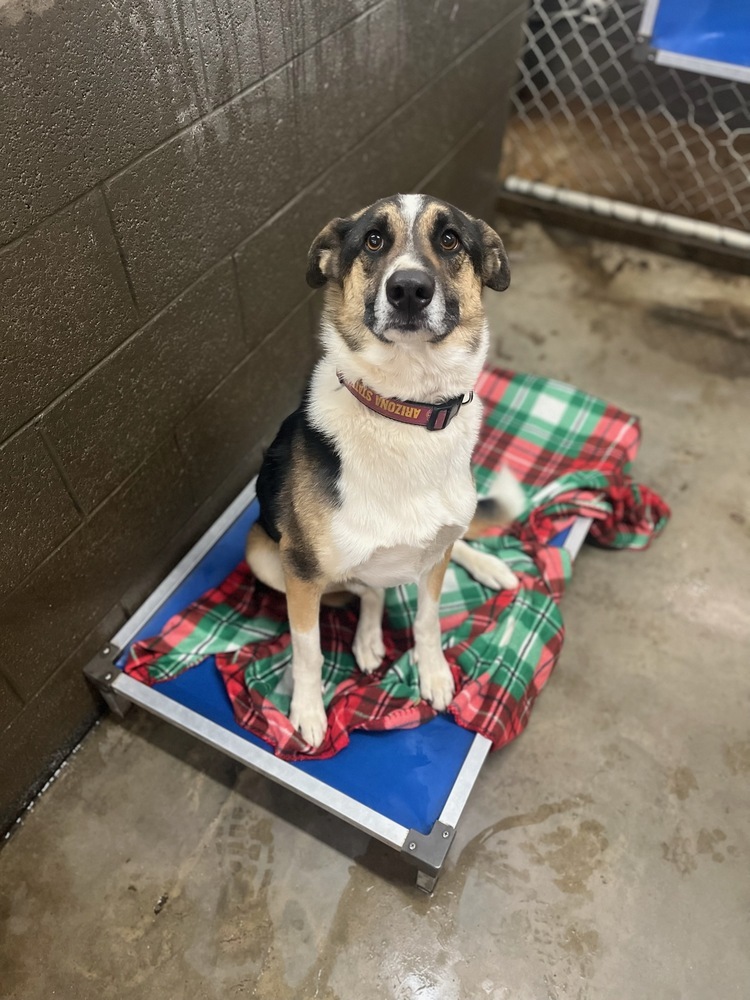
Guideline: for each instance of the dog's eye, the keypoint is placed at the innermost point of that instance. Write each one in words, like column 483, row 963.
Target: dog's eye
column 374, row 241
column 449, row 240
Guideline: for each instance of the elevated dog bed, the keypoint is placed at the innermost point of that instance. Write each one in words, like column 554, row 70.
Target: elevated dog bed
column 208, row 650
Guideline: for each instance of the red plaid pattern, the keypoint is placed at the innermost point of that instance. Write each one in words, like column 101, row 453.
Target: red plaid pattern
column 572, row 452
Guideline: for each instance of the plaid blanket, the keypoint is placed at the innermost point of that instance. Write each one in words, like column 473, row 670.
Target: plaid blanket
column 572, row 452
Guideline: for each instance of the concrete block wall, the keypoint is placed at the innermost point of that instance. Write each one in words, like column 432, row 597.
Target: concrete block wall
column 166, row 164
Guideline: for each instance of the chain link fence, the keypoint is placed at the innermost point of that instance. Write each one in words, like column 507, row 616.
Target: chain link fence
column 590, row 116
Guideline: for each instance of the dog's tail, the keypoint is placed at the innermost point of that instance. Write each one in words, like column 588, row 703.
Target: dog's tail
column 504, row 503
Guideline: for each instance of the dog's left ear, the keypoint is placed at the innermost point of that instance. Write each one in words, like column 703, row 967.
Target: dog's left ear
column 495, row 264
column 323, row 258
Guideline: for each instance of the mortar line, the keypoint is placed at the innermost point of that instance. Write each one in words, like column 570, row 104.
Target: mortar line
column 24, row 701
column 120, row 251
column 61, row 471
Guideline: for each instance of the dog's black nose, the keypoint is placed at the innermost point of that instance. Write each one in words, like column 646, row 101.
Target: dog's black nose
column 410, row 291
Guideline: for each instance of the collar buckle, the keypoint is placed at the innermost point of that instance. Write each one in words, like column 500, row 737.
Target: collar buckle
column 443, row 413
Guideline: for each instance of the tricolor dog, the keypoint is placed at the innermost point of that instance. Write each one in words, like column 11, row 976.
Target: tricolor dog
column 368, row 484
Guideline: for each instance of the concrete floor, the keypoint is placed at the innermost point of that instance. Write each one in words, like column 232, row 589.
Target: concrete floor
column 603, row 855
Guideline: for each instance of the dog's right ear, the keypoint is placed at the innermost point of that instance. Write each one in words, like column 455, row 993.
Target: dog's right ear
column 495, row 264
column 323, row 258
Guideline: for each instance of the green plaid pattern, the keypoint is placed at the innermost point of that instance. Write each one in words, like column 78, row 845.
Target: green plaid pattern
column 573, row 454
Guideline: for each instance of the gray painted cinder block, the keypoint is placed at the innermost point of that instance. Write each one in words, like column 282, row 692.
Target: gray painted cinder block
column 245, row 411
column 10, row 706
column 186, row 205
column 459, row 26
column 350, row 83
column 40, row 736
column 225, row 437
column 271, row 267
column 65, row 305
column 468, row 174
column 63, row 599
column 474, row 79
column 87, row 87
column 353, row 81
column 118, row 414
column 230, row 41
column 244, row 40
column 36, row 511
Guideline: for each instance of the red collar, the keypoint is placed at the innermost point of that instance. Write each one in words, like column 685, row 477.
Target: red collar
column 433, row 416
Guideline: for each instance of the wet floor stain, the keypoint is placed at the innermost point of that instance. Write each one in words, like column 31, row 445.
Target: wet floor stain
column 682, row 782
column 487, row 850
column 683, row 851
column 737, row 757
column 708, row 842
column 538, row 815
column 613, row 755
column 685, row 336
column 245, row 854
column 579, row 941
column 678, row 851
column 573, row 853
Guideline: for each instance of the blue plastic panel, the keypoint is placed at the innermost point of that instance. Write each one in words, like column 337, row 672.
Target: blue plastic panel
column 405, row 775
column 704, row 29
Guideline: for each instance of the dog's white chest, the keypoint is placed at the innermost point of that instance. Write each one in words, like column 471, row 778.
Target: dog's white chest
column 388, row 567
column 406, row 495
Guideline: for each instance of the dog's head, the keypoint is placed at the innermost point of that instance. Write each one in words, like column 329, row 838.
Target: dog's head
column 407, row 268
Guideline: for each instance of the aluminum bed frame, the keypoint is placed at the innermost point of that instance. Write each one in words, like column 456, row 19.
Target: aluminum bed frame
column 407, row 788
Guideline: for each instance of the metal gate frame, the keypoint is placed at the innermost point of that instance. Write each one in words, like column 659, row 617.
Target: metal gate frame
column 678, row 60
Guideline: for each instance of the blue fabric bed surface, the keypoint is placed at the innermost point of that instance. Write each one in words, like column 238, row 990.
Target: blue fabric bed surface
column 405, row 775
column 705, row 29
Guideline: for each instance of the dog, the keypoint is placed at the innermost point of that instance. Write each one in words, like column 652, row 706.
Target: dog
column 368, row 483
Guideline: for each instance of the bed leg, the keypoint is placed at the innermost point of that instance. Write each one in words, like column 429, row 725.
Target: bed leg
column 427, row 853
column 426, row 882
column 102, row 672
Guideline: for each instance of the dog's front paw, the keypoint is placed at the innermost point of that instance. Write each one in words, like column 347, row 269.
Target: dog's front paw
column 308, row 716
column 435, row 680
column 492, row 571
column 368, row 647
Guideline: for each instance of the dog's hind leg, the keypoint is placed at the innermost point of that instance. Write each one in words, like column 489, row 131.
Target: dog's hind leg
column 435, row 678
column 485, row 568
column 264, row 558
column 369, row 648
column 505, row 502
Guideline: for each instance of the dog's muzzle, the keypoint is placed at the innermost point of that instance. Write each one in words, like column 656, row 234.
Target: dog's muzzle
column 409, row 292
